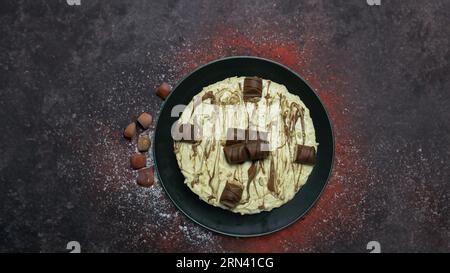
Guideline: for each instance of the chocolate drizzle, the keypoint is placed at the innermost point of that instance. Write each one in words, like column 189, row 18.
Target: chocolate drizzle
column 194, row 150
column 295, row 116
column 272, row 177
column 251, row 172
column 195, row 181
column 261, row 167
column 268, row 88
column 302, row 121
column 209, row 95
column 257, row 150
column 216, row 161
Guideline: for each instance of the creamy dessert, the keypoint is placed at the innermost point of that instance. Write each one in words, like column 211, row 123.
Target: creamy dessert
column 245, row 144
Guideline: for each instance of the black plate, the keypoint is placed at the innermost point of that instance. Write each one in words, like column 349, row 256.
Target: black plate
column 218, row 219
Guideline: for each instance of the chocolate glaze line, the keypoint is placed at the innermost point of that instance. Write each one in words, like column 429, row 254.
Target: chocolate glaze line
column 212, row 175
column 261, row 166
column 302, row 123
column 292, row 120
column 207, row 155
column 271, row 182
column 252, row 171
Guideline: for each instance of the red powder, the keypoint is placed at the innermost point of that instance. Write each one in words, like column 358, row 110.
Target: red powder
column 336, row 208
column 229, row 43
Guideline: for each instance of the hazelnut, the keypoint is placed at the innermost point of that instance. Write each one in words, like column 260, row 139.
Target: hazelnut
column 145, row 120
column 143, row 143
column 130, row 131
column 146, row 177
column 163, row 90
column 138, row 161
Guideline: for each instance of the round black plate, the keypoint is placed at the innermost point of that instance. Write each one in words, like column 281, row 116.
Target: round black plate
column 218, row 219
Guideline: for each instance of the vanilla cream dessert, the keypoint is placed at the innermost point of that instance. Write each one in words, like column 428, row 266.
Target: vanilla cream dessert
column 235, row 175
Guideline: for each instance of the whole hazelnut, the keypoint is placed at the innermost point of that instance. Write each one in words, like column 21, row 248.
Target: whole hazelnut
column 138, row 161
column 130, row 131
column 146, row 177
column 163, row 90
column 145, row 120
column 143, row 143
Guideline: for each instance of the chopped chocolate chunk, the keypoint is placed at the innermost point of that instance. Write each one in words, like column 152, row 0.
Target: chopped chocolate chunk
column 231, row 195
column 252, row 88
column 188, row 133
column 236, row 153
column 305, row 155
column 257, row 150
column 253, row 142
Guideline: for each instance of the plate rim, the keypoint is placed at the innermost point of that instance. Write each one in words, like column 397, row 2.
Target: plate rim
column 155, row 163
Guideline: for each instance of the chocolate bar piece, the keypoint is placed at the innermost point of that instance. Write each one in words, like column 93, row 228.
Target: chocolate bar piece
column 189, row 133
column 235, row 135
column 231, row 195
column 252, row 88
column 257, row 150
column 236, row 153
column 305, row 155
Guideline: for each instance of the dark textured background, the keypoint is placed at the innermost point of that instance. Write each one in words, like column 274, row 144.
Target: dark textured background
column 71, row 77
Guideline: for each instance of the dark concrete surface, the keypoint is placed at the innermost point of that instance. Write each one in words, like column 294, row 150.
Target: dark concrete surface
column 71, row 77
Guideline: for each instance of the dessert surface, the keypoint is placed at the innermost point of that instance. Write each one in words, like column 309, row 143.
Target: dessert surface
column 269, row 156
